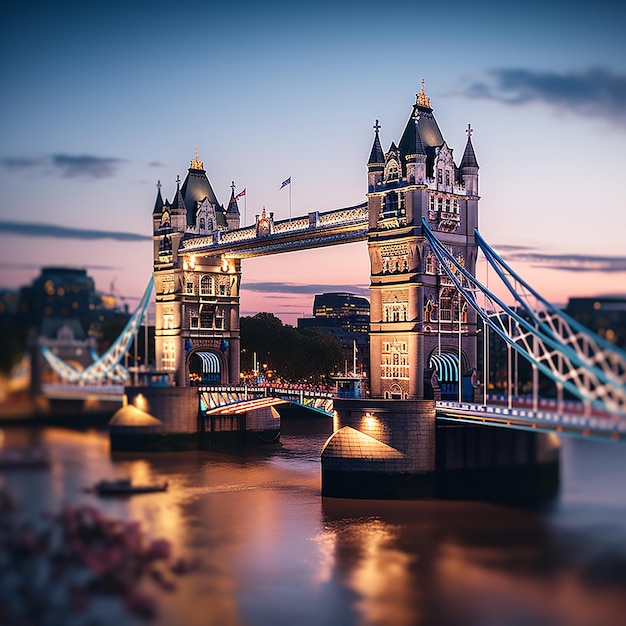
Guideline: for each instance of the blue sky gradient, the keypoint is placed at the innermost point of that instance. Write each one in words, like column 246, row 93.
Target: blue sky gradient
column 99, row 102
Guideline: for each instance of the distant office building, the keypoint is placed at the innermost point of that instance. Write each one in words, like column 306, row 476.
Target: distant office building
column 352, row 311
column 58, row 292
column 605, row 316
column 345, row 316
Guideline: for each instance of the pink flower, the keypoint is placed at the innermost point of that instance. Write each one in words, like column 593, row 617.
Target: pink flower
column 159, row 549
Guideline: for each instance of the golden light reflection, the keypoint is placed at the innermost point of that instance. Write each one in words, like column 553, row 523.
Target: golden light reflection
column 381, row 576
column 326, row 544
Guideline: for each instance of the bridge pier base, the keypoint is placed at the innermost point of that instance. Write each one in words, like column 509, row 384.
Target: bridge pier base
column 497, row 464
column 169, row 419
column 391, row 449
column 381, row 449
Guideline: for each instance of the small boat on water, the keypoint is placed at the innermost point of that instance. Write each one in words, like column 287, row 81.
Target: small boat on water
column 125, row 486
column 24, row 457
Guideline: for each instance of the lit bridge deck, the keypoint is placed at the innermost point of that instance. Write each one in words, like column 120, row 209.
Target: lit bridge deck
column 315, row 230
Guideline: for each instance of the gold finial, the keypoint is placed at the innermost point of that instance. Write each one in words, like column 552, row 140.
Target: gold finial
column 422, row 99
column 196, row 164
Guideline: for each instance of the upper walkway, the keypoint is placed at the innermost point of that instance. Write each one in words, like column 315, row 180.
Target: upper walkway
column 314, row 230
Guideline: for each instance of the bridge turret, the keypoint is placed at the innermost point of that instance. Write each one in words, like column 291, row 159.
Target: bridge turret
column 232, row 212
column 469, row 173
column 375, row 169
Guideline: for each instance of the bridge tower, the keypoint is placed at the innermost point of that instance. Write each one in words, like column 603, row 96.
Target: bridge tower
column 422, row 335
column 197, row 296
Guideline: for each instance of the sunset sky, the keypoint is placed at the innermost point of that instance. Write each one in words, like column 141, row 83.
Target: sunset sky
column 99, row 101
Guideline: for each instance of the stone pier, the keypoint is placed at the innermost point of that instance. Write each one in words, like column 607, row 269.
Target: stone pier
column 381, row 449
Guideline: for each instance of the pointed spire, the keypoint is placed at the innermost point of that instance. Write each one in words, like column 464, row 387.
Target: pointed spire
column 158, row 204
column 469, row 157
column 419, row 145
column 376, row 156
column 233, row 207
column 422, row 99
column 178, row 202
column 196, row 164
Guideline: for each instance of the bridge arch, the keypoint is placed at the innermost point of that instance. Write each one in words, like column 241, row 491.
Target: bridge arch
column 206, row 367
column 446, row 371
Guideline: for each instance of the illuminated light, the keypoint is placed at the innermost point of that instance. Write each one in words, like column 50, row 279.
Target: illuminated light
column 596, row 306
column 185, row 266
column 369, row 423
column 224, row 264
column 192, row 261
column 140, row 402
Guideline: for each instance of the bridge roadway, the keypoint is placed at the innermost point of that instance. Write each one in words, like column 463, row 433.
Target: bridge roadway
column 572, row 420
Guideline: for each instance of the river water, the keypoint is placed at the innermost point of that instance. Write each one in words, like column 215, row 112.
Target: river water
column 270, row 550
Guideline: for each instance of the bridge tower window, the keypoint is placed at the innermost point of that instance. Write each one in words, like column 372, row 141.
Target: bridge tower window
column 430, row 263
column 169, row 355
column 206, row 286
column 206, row 318
column 219, row 319
column 391, row 203
column 392, row 170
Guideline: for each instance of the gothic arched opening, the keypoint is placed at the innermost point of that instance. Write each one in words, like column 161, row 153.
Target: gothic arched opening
column 205, row 368
column 444, row 373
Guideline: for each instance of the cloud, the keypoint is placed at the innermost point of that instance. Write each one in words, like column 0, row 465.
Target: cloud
column 18, row 163
column 31, row 229
column 564, row 262
column 38, row 266
column 597, row 92
column 155, row 164
column 298, row 289
column 67, row 165
column 86, row 166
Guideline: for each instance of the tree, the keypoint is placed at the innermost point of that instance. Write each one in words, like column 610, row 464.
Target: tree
column 292, row 354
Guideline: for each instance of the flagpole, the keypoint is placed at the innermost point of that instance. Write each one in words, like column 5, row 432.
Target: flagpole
column 245, row 209
column 290, row 185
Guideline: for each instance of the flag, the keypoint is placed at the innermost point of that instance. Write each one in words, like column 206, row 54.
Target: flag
column 241, row 193
column 285, row 183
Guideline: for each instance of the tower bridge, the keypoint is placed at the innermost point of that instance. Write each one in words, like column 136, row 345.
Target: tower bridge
column 199, row 245
column 420, row 222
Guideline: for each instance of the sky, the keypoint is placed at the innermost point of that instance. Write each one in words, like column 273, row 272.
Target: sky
column 101, row 101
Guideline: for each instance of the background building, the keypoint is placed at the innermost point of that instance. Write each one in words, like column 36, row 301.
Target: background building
column 345, row 316
column 605, row 316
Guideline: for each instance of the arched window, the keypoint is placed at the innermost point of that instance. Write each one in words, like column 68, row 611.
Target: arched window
column 202, row 224
column 392, row 170
column 429, row 310
column 206, row 286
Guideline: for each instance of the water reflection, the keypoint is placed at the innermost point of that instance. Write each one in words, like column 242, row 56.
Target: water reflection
column 272, row 551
